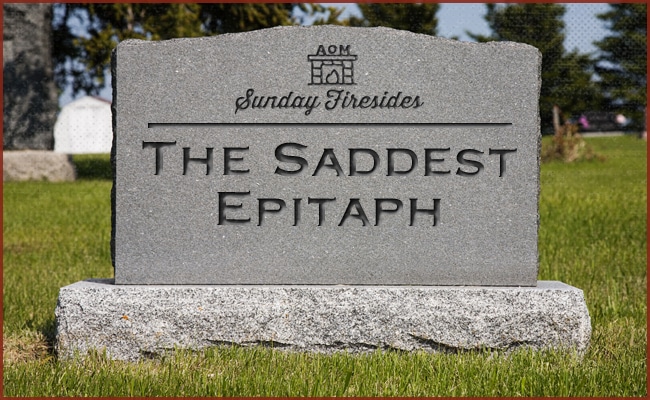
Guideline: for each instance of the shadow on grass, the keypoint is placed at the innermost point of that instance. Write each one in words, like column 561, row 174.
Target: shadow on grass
column 49, row 333
column 93, row 166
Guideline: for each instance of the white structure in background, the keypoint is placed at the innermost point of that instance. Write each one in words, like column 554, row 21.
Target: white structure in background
column 84, row 126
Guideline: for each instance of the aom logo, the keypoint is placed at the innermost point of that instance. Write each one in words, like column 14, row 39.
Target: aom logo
column 332, row 65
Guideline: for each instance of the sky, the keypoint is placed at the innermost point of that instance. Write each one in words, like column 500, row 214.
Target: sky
column 582, row 27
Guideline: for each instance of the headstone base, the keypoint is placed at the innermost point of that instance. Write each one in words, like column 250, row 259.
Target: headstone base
column 133, row 322
column 37, row 165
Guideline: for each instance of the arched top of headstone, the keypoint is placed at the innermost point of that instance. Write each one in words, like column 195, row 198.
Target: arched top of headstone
column 326, row 155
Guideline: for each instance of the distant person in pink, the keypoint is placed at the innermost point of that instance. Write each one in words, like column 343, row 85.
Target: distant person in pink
column 583, row 122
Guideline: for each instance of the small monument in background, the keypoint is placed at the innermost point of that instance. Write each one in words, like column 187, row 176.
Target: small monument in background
column 362, row 188
column 84, row 126
column 30, row 97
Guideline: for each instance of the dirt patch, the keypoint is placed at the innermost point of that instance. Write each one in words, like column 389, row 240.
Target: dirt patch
column 32, row 346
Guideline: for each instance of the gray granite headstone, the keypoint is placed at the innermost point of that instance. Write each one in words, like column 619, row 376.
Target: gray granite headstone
column 323, row 189
column 326, row 155
column 37, row 165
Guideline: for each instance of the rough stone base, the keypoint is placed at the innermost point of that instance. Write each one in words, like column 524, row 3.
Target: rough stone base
column 36, row 165
column 131, row 322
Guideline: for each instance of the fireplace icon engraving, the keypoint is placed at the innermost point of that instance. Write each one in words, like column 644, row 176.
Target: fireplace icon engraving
column 332, row 65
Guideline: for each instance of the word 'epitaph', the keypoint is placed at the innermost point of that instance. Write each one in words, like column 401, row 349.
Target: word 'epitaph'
column 382, row 158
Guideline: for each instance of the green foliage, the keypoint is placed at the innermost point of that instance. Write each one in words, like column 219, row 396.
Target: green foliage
column 325, row 15
column 83, row 60
column 93, row 166
column 622, row 65
column 418, row 18
column 566, row 76
column 568, row 146
column 228, row 18
column 592, row 235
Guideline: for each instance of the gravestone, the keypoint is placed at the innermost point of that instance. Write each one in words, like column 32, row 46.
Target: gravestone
column 414, row 166
column 37, row 165
column 323, row 189
column 84, row 126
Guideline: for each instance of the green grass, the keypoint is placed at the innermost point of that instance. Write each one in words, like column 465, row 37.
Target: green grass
column 93, row 166
column 592, row 235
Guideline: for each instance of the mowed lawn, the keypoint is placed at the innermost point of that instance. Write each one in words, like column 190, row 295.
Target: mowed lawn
column 592, row 235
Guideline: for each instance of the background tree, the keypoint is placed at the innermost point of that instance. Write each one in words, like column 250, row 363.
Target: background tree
column 81, row 60
column 622, row 65
column 418, row 18
column 29, row 94
column 566, row 76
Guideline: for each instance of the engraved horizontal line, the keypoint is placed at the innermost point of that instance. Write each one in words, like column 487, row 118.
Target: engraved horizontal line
column 471, row 124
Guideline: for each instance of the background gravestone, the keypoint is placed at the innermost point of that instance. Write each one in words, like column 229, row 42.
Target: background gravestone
column 29, row 93
column 84, row 126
